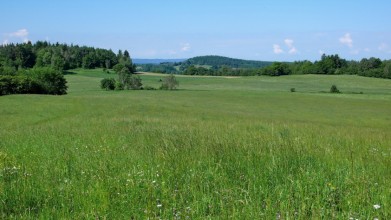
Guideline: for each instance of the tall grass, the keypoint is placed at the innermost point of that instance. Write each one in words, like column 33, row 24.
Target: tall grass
column 214, row 154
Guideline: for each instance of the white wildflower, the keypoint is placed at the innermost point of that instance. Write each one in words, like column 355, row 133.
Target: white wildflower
column 376, row 206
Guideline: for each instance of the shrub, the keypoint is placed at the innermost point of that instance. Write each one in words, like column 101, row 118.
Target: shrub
column 293, row 90
column 51, row 81
column 107, row 84
column 169, row 83
column 149, row 88
column 34, row 81
column 334, row 89
column 135, row 82
column 119, row 86
column 8, row 85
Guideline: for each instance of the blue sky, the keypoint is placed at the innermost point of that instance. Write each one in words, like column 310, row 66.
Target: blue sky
column 273, row 30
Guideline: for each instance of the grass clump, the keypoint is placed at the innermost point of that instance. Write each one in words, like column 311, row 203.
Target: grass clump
column 334, row 89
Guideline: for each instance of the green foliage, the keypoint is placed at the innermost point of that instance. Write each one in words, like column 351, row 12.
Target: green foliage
column 149, row 88
column 119, row 86
column 330, row 64
column 124, row 76
column 387, row 70
column 7, row 70
column 52, row 81
column 57, row 56
column 293, row 90
column 169, row 83
column 9, row 85
column 108, row 84
column 334, row 65
column 219, row 61
column 223, row 66
column 126, row 81
column 276, row 69
column 135, row 83
column 118, row 67
column 207, row 65
column 157, row 68
column 34, row 81
column 334, row 89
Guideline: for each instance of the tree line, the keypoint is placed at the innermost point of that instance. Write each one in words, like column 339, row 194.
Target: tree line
column 334, row 65
column 39, row 67
column 207, row 65
column 328, row 64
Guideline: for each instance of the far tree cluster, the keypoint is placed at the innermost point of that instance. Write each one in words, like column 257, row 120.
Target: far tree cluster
column 223, row 66
column 333, row 65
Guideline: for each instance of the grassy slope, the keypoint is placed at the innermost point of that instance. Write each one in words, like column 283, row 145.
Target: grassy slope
column 229, row 148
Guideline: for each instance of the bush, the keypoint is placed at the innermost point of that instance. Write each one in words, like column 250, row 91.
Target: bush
column 34, row 81
column 169, row 83
column 51, row 81
column 149, row 88
column 293, row 90
column 8, row 85
column 135, row 82
column 119, row 86
column 108, row 84
column 334, row 89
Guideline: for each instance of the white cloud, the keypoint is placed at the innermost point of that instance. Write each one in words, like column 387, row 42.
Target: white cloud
column 5, row 42
column 367, row 50
column 22, row 33
column 289, row 44
column 186, row 47
column 346, row 40
column 277, row 49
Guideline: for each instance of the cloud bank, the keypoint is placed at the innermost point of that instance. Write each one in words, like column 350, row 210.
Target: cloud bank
column 21, row 34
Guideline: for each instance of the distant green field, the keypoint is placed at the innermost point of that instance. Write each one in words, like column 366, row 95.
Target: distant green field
column 216, row 148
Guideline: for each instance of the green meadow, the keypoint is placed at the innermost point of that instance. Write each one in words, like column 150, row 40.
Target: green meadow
column 216, row 148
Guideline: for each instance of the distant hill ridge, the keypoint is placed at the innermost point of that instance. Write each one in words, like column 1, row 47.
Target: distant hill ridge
column 210, row 60
column 219, row 61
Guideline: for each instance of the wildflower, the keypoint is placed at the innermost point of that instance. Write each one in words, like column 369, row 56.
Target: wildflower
column 159, row 205
column 376, row 206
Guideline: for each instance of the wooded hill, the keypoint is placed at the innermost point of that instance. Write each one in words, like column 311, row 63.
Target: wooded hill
column 206, row 65
column 224, row 66
column 219, row 61
column 38, row 68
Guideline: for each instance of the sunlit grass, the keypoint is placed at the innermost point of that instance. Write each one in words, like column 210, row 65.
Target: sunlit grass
column 243, row 148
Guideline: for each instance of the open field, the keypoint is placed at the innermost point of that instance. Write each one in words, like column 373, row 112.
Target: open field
column 218, row 148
